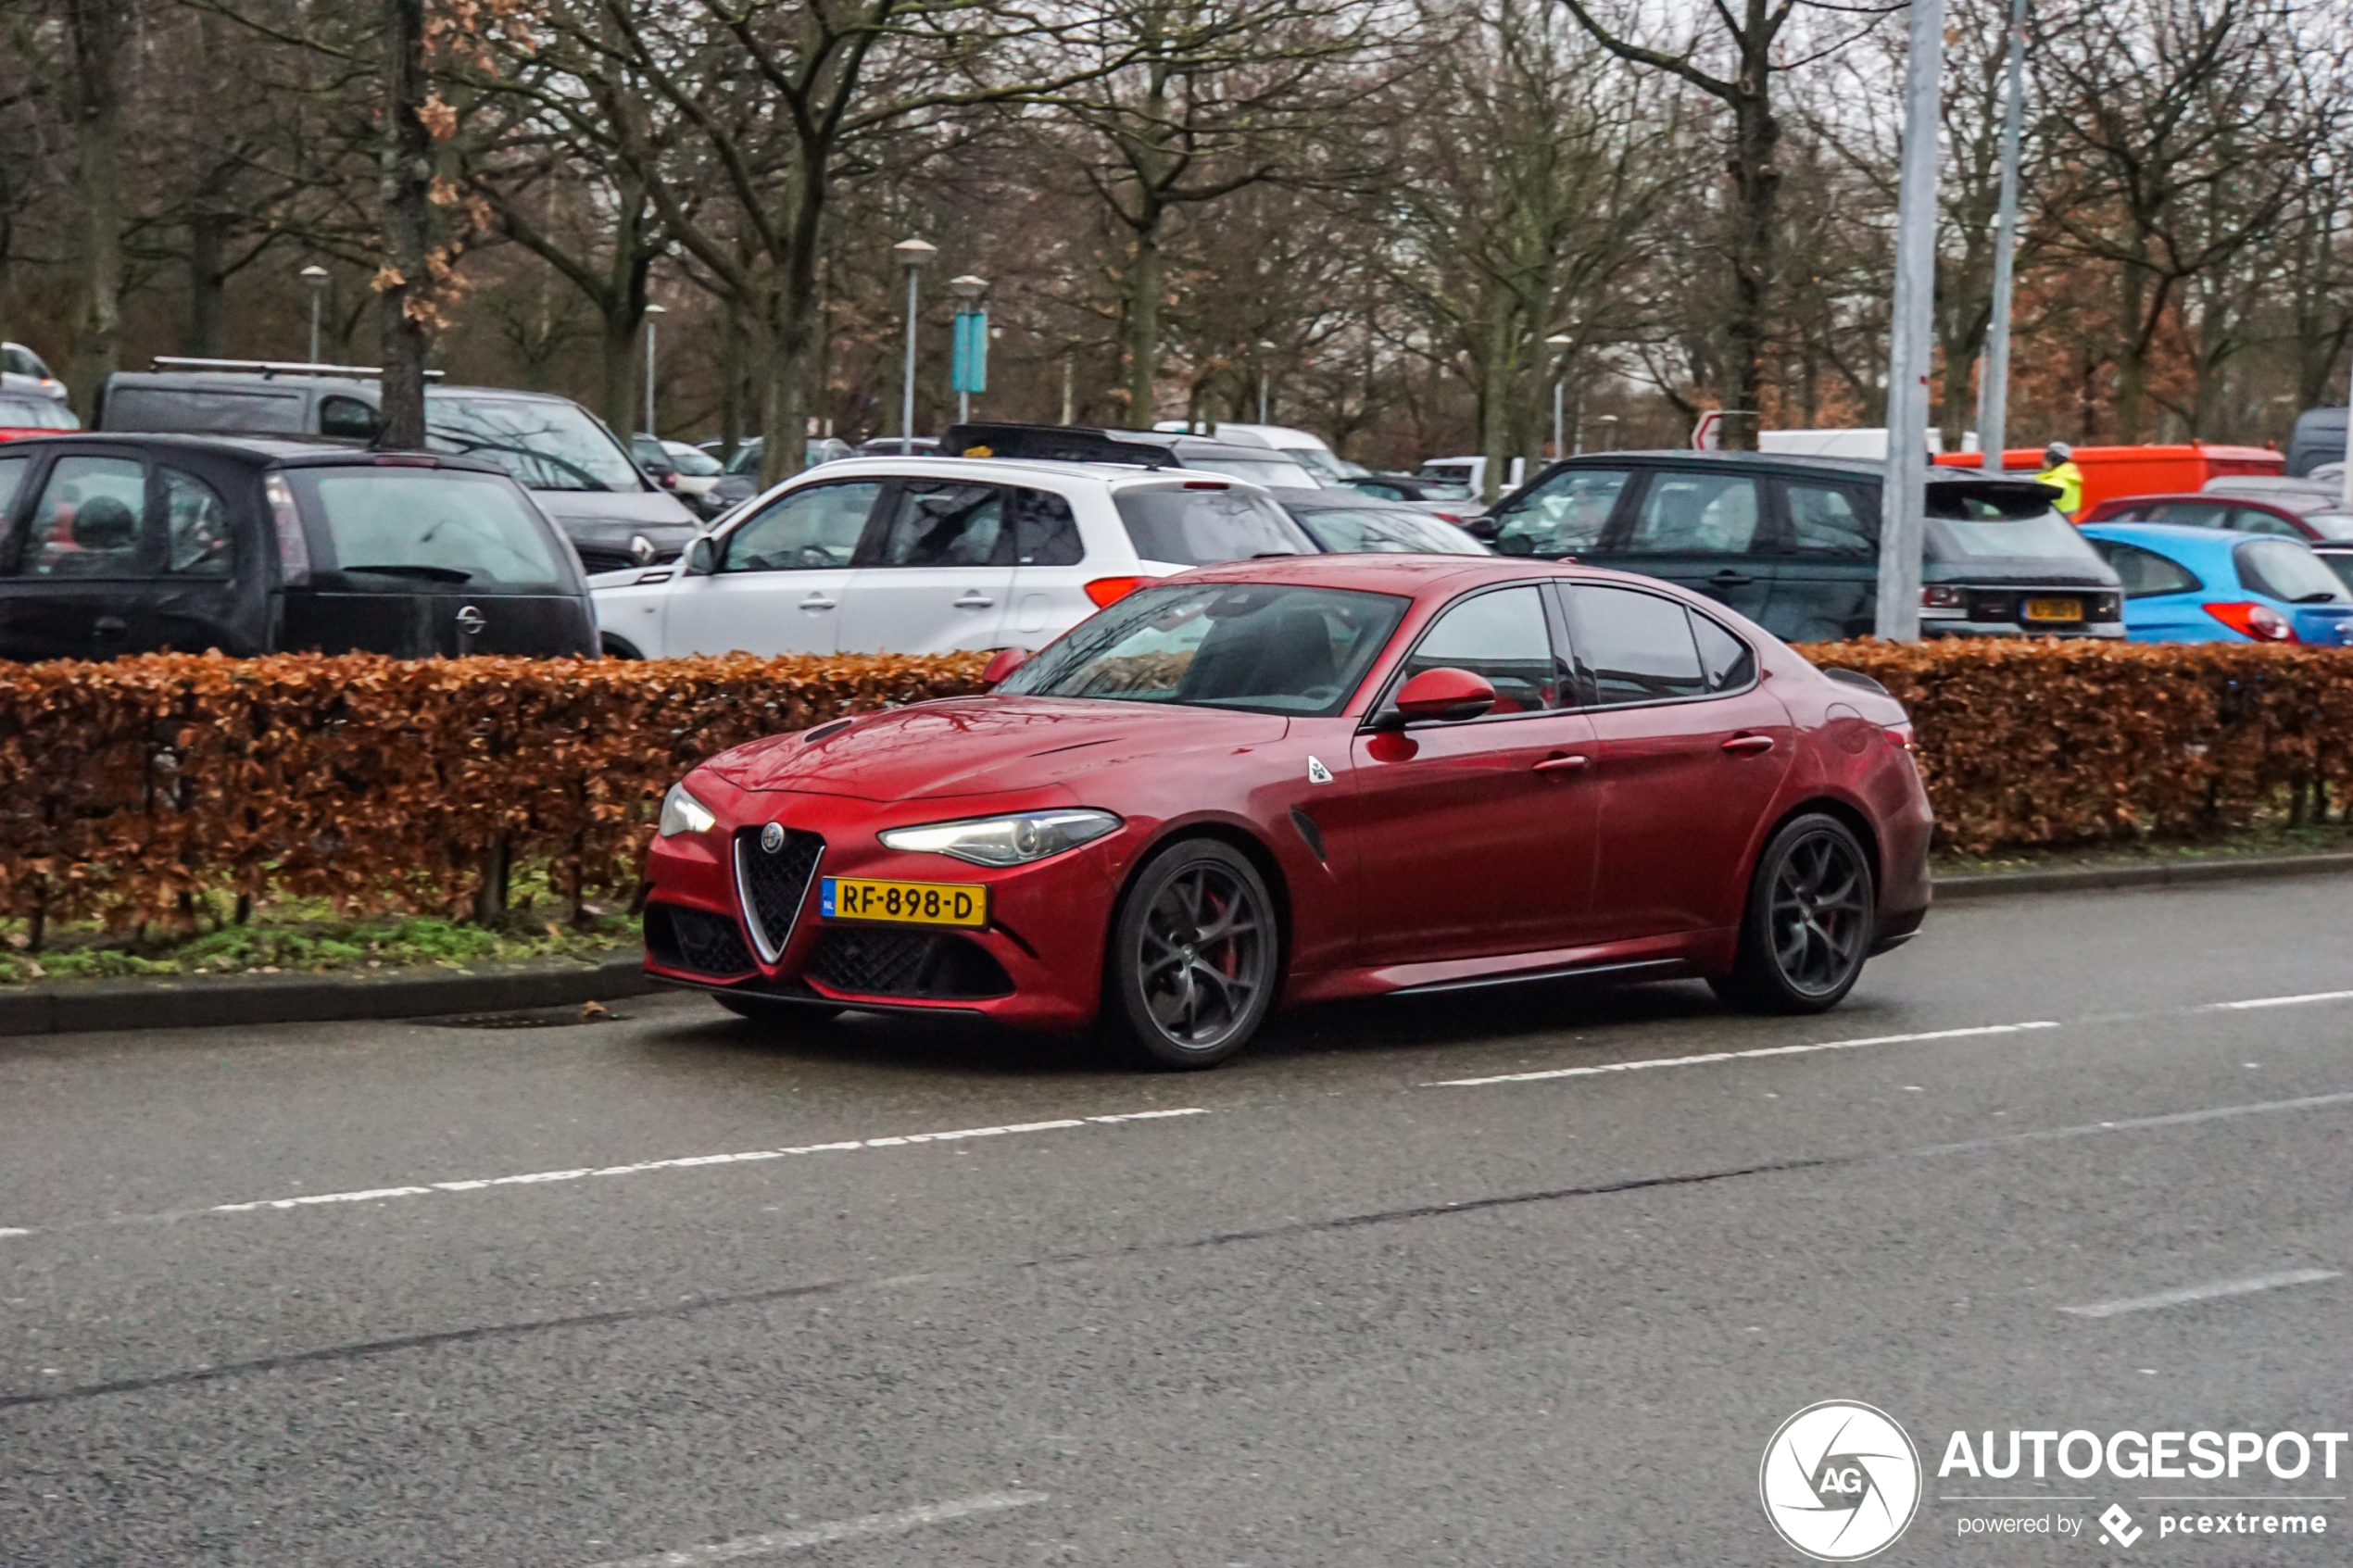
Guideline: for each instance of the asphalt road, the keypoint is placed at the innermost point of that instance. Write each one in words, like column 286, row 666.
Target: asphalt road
column 1327, row 1304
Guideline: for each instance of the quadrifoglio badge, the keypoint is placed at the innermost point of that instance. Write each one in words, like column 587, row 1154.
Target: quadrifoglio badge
column 1841, row 1481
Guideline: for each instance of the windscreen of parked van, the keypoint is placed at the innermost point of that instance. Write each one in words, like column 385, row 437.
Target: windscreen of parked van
column 1194, row 527
column 427, row 526
column 2008, row 522
column 545, row 443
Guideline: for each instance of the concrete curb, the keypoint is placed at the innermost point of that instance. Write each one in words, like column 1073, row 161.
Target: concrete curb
column 2092, row 878
column 77, row 1007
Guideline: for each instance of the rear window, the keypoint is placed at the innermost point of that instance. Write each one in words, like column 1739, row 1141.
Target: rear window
column 426, row 527
column 211, row 408
column 1185, row 527
column 36, row 413
column 2002, row 524
column 2287, row 571
column 1377, row 531
column 1280, row 473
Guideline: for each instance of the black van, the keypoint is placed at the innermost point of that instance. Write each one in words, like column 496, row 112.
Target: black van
column 116, row 544
column 1793, row 543
column 2318, row 439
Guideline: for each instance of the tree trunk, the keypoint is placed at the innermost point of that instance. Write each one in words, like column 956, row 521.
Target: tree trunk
column 1756, row 182
column 732, row 373
column 1143, row 325
column 1494, row 394
column 623, row 307
column 2131, row 358
column 407, row 171
column 1958, row 404
column 96, row 30
column 208, row 283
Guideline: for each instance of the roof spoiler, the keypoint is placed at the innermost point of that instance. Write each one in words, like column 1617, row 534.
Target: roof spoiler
column 1054, row 444
column 271, row 367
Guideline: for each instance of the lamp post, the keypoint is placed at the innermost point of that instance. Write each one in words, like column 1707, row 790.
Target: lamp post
column 1560, row 343
column 1609, row 431
column 970, row 371
column 1265, row 348
column 653, row 315
column 914, row 255
column 1993, row 375
column 314, row 278
column 1903, row 498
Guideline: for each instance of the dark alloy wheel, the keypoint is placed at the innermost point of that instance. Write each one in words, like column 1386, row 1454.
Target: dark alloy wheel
column 1192, row 963
column 1808, row 923
column 773, row 1014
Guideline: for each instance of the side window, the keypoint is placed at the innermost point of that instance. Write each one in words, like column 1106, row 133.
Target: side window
column 1044, row 531
column 1827, row 519
column 1695, row 514
column 1562, row 516
column 1729, row 663
column 1635, row 646
column 87, row 521
column 2145, row 573
column 808, row 529
column 1503, row 636
column 12, row 472
column 942, row 524
column 348, row 418
column 2253, row 520
column 2190, row 514
column 196, row 537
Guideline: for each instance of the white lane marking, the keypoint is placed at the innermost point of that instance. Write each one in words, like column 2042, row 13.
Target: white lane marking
column 11, row 1230
column 2209, row 1291
column 1741, row 1056
column 2251, row 1002
column 864, row 1527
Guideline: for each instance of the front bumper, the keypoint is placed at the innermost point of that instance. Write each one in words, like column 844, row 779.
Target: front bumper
column 719, row 921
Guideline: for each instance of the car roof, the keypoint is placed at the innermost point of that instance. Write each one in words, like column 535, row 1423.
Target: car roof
column 284, row 451
column 295, row 381
column 1337, row 498
column 1869, row 467
column 1414, row 575
column 1013, row 471
column 2184, row 537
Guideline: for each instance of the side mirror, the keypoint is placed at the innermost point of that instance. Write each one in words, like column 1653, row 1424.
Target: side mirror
column 1484, row 528
column 1445, row 694
column 702, row 557
column 1003, row 663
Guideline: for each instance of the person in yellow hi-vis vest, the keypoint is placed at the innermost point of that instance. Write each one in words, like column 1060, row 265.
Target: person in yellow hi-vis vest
column 2059, row 468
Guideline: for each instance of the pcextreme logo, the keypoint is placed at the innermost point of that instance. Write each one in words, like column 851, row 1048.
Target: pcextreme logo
column 1840, row 1481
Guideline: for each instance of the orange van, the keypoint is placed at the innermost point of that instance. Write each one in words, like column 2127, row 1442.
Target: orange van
column 2110, row 471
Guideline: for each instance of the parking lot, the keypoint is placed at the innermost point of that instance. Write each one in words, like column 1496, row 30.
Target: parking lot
column 1530, row 1278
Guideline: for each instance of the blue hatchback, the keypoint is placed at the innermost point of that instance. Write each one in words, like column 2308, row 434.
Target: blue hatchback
column 2186, row 584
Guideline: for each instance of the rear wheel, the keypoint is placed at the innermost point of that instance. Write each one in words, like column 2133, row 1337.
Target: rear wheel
column 1192, row 964
column 1808, row 923
column 779, row 1016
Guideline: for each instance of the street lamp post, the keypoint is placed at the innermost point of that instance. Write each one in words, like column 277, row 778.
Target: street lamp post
column 1993, row 376
column 971, row 367
column 1265, row 348
column 1560, row 343
column 1609, row 431
column 653, row 315
column 314, row 278
column 1903, row 497
column 914, row 255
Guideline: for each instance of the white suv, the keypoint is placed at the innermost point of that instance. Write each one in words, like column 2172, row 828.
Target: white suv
column 927, row 555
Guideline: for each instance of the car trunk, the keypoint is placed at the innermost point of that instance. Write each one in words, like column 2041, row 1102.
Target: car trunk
column 411, row 624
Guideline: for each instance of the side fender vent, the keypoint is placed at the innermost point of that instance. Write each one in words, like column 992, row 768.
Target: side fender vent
column 1310, row 832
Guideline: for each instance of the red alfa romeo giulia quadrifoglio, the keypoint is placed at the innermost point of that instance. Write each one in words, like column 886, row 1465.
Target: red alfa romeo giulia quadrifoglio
column 1286, row 781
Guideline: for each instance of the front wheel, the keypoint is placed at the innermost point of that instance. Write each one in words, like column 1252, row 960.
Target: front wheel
column 1808, row 923
column 1193, row 965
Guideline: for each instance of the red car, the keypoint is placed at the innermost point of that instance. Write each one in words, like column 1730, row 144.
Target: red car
column 2311, row 515
column 1299, row 779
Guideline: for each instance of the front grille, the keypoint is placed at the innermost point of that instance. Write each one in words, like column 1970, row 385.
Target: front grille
column 907, row 963
column 599, row 557
column 773, row 887
column 696, row 939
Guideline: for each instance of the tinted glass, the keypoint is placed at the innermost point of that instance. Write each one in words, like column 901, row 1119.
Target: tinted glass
column 1266, row 647
column 1562, row 516
column 2145, row 573
column 1044, row 531
column 1728, row 662
column 1374, row 487
column 1826, row 520
column 1351, row 529
column 1964, row 528
column 87, row 521
column 941, row 523
column 746, row 459
column 203, row 409
column 1688, row 514
column 806, row 530
column 2339, row 562
column 12, row 472
column 690, row 461
column 546, row 444
column 36, row 413
column 195, row 527
column 2188, row 514
column 2255, row 520
column 2287, row 571
column 1635, row 646
column 427, row 527
column 1196, row 527
column 348, row 418
column 1501, row 635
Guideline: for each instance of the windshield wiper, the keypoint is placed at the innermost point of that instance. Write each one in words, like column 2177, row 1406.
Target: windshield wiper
column 429, row 573
column 2318, row 597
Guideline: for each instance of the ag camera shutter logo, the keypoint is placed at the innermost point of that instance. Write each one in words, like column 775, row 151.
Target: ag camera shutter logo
column 1841, row 1481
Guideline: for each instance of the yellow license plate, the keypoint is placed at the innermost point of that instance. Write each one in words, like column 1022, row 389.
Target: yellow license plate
column 904, row 903
column 2054, row 609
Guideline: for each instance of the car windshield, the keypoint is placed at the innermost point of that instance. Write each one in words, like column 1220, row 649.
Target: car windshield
column 428, row 525
column 1276, row 473
column 1200, row 523
column 2286, row 569
column 36, row 413
column 545, row 442
column 746, row 459
column 1264, row 648
column 2008, row 523
column 691, row 461
column 1374, row 529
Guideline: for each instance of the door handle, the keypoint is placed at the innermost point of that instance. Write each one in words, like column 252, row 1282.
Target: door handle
column 975, row 600
column 817, row 602
column 110, row 626
column 1570, row 764
column 1744, row 745
column 1728, row 578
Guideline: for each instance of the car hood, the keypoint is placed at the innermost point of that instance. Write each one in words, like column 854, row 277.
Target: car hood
column 986, row 745
column 600, row 516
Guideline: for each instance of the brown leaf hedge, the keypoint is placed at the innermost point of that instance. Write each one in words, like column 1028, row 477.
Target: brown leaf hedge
column 129, row 788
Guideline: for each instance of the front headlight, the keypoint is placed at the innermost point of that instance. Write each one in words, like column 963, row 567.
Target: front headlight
column 682, row 812
column 1006, row 841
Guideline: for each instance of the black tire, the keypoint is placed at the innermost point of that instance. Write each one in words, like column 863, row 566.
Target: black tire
column 780, row 1016
column 1194, row 958
column 614, row 647
column 1808, row 923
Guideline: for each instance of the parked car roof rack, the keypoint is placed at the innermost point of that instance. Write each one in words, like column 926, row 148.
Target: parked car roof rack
column 272, row 367
column 1057, row 444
